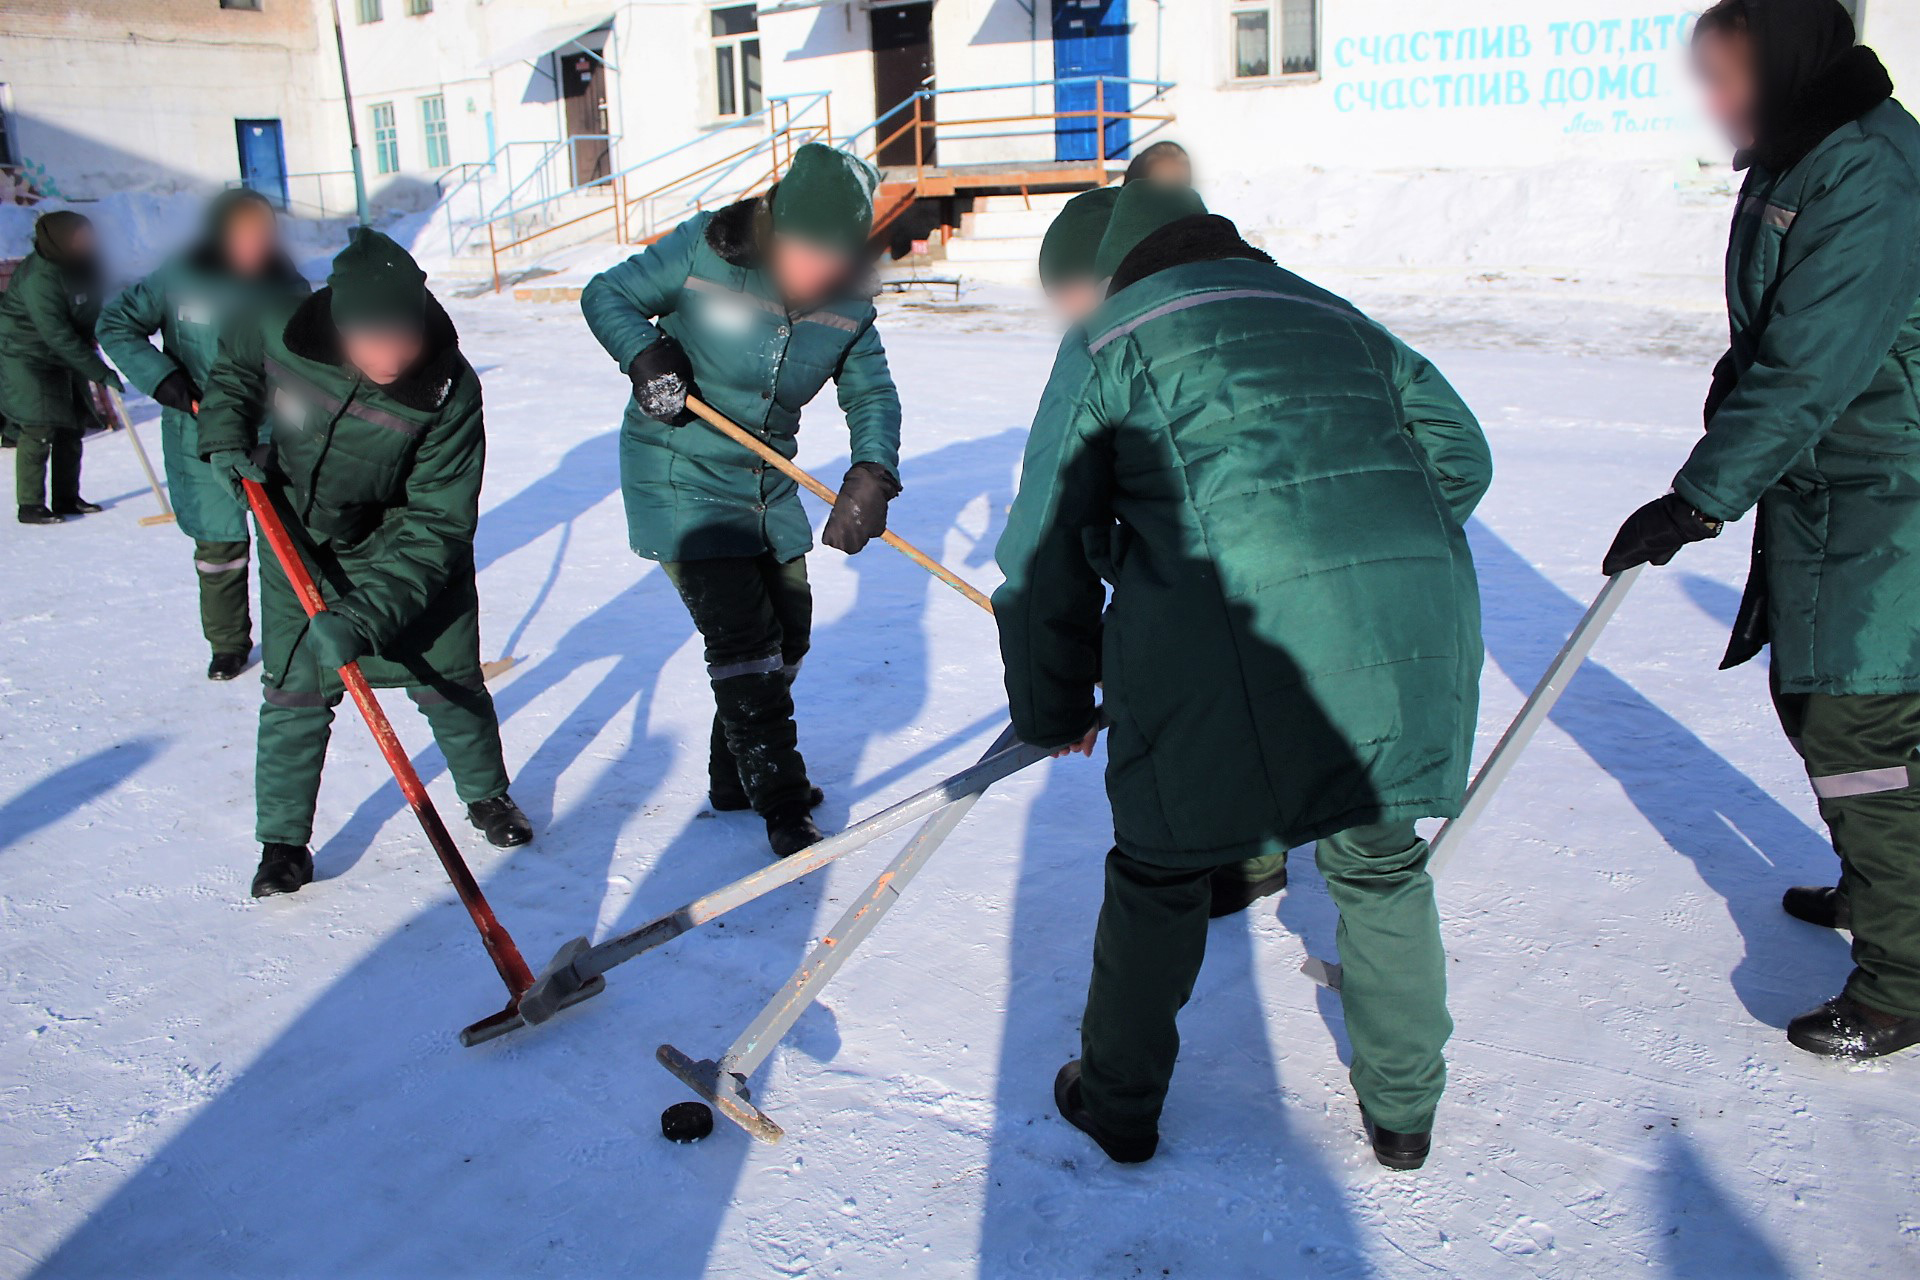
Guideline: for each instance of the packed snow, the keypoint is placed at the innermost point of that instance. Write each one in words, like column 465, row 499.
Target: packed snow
column 195, row 1084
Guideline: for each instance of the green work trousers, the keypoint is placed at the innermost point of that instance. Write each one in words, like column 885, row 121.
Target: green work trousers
column 1152, row 936
column 225, row 618
column 1863, row 756
column 42, row 450
column 756, row 616
column 297, row 720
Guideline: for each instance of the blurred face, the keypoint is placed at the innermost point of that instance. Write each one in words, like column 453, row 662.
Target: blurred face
column 805, row 272
column 1171, row 170
column 382, row 355
column 250, row 238
column 1076, row 300
column 1723, row 63
column 80, row 242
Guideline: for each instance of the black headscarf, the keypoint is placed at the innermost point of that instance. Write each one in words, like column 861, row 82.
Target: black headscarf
column 1813, row 77
column 53, row 235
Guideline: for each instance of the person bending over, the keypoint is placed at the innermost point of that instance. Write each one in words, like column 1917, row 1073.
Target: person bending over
column 752, row 308
column 374, row 447
column 1275, row 488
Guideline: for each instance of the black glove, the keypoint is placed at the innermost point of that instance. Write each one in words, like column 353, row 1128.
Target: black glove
column 860, row 512
column 176, row 391
column 662, row 380
column 1655, row 533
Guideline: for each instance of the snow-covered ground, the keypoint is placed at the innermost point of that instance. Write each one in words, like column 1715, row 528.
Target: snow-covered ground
column 194, row 1084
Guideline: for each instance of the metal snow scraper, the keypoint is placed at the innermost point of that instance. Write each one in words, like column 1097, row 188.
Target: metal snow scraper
column 724, row 1083
column 580, row 964
column 493, row 935
column 1507, row 751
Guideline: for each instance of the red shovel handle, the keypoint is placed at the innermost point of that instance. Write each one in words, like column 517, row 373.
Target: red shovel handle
column 506, row 957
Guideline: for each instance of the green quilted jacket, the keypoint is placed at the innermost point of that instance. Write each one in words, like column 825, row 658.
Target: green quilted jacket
column 382, row 485
column 46, row 345
column 1822, row 429
column 691, row 493
column 186, row 301
column 1275, row 488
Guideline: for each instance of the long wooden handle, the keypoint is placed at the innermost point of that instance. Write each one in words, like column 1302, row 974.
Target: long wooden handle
column 493, row 935
column 119, row 406
column 739, row 435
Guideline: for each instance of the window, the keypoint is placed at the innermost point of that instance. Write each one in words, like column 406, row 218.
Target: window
column 419, row 8
column 386, row 138
column 736, row 60
column 433, row 121
column 370, row 11
column 252, row 6
column 1258, row 55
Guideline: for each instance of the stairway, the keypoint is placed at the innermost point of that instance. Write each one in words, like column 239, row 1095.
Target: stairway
column 999, row 242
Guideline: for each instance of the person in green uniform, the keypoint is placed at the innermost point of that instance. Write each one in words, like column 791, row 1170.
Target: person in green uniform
column 1813, row 420
column 374, row 447
column 1276, row 490
column 235, row 268
column 1068, row 251
column 753, row 308
column 47, row 361
column 1069, row 255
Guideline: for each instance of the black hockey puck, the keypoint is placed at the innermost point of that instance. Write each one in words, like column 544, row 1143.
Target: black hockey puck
column 686, row 1121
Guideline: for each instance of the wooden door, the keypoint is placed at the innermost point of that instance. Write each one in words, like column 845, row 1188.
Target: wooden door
column 902, row 66
column 583, row 88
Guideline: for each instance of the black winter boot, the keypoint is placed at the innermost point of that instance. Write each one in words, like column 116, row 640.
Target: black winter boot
column 226, row 666
column 78, row 507
column 500, row 818
column 1845, row 1028
column 284, row 868
column 1818, row 904
column 792, row 831
column 33, row 513
column 1400, row 1151
column 1120, row 1150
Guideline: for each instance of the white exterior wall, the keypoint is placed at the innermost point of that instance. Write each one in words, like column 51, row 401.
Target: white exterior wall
column 142, row 95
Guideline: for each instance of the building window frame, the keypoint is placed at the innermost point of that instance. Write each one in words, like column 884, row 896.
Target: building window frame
column 433, row 128
column 386, row 137
column 1276, row 15
column 370, row 11
column 739, row 74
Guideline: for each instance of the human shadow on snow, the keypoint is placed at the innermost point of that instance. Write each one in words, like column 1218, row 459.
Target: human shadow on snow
column 1704, row 807
column 539, row 1153
column 73, row 787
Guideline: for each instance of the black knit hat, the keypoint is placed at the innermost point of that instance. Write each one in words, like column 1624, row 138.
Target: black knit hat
column 377, row 284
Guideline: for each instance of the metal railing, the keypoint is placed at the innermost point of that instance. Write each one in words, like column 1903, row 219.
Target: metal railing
column 640, row 218
column 331, row 191
column 532, row 210
column 917, row 116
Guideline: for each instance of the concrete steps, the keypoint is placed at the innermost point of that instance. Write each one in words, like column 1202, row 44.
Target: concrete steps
column 999, row 241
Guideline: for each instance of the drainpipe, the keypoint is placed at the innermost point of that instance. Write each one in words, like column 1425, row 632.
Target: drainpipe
column 353, row 128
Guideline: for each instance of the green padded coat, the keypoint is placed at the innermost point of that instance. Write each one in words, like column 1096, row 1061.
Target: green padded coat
column 46, row 345
column 382, row 485
column 186, row 301
column 1822, row 429
column 691, row 493
column 1275, row 487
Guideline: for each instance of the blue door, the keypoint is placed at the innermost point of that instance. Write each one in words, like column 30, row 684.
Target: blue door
column 1090, row 47
column 263, row 158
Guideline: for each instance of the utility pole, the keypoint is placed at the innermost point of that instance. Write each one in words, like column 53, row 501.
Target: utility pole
column 353, row 128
